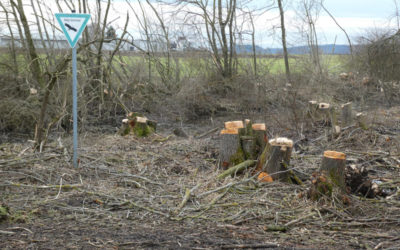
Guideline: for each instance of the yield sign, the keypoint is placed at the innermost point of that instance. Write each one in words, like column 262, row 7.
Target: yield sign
column 72, row 25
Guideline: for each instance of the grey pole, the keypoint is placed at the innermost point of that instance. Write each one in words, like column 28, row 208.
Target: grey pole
column 74, row 108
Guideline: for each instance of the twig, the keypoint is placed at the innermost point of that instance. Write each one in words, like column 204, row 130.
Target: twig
column 188, row 192
column 66, row 186
column 224, row 187
column 250, row 246
column 206, row 133
column 299, row 219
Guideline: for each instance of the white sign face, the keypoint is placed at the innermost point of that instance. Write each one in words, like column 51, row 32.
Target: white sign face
column 72, row 25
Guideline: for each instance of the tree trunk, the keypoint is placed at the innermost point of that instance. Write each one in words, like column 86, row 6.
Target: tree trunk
column 334, row 165
column 285, row 52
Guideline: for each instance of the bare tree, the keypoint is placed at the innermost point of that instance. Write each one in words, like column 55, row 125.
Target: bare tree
column 285, row 52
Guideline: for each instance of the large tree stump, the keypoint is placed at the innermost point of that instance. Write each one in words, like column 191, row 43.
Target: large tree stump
column 277, row 165
column 260, row 136
column 334, row 166
column 231, row 152
column 347, row 114
column 137, row 125
column 327, row 114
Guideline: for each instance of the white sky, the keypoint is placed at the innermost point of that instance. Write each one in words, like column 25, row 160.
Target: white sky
column 355, row 16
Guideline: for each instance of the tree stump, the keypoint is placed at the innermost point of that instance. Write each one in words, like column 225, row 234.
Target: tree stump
column 347, row 114
column 312, row 110
column 276, row 158
column 362, row 121
column 327, row 114
column 231, row 152
column 260, row 136
column 139, row 126
column 334, row 166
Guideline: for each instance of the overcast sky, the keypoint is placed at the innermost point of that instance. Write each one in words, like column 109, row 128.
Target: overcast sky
column 355, row 16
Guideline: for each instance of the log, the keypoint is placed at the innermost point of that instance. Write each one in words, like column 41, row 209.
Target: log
column 334, row 166
column 231, row 152
column 346, row 114
column 264, row 177
column 236, row 169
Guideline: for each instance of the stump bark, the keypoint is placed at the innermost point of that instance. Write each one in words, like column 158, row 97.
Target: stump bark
column 334, row 166
column 137, row 125
column 279, row 153
column 231, row 152
column 241, row 141
column 260, row 136
column 362, row 121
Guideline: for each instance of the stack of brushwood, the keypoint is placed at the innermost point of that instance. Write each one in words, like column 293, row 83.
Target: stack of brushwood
column 137, row 124
column 245, row 145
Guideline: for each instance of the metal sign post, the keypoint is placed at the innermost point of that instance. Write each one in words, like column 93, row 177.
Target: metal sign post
column 73, row 25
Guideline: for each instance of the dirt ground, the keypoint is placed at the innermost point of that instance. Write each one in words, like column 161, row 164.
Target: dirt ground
column 128, row 193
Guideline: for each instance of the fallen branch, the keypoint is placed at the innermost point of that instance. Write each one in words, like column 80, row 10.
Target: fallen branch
column 207, row 133
column 237, row 168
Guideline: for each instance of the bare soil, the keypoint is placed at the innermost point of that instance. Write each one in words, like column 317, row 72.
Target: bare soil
column 128, row 193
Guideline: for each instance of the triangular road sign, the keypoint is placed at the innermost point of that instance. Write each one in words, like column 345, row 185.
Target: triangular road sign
column 72, row 25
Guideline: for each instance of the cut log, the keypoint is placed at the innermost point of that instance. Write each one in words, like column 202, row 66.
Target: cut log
column 347, row 114
column 237, row 168
column 264, row 177
column 334, row 166
column 231, row 152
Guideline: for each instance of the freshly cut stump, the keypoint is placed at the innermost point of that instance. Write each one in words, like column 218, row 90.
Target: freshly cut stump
column 260, row 135
column 231, row 152
column 334, row 166
column 278, row 153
